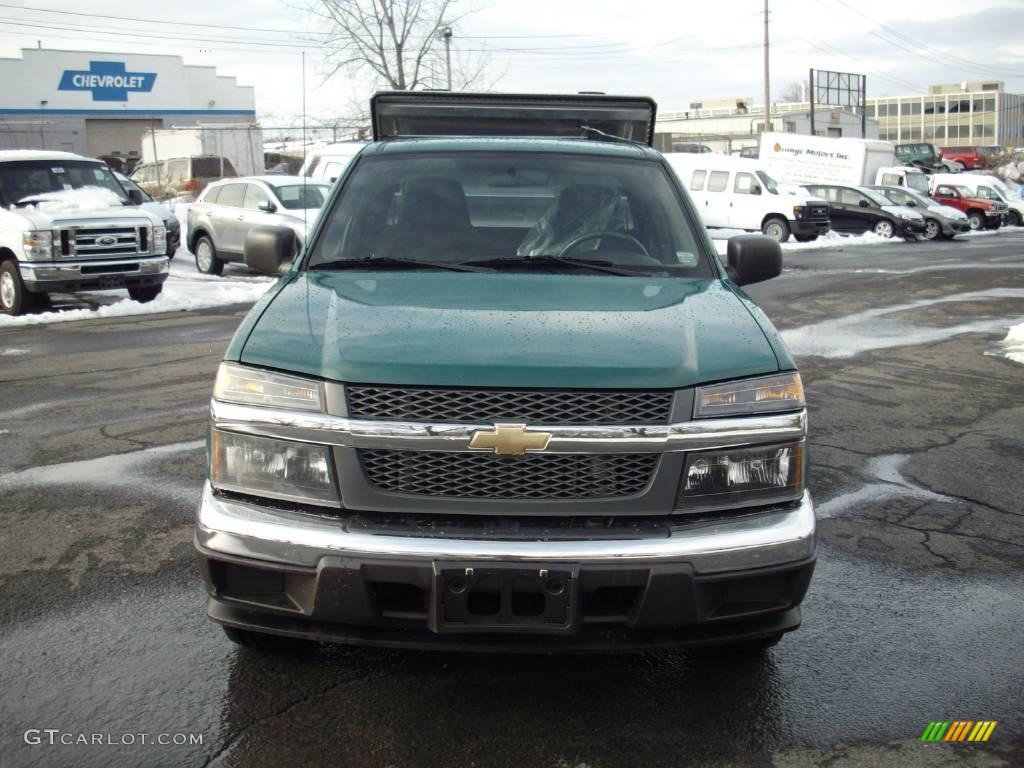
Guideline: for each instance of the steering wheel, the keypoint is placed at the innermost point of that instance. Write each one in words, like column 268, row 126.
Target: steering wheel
column 604, row 233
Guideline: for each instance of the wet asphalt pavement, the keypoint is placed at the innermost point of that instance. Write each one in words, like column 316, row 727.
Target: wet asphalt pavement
column 915, row 613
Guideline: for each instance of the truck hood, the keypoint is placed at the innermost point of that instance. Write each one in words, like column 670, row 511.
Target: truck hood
column 510, row 330
column 42, row 219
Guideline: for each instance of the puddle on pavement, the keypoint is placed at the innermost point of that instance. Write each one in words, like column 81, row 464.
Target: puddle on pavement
column 873, row 329
column 888, row 483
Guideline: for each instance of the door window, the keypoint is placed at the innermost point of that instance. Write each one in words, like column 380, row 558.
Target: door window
column 945, row 191
column 850, row 197
column 745, row 183
column 697, row 182
column 254, row 195
column 232, row 195
column 718, row 182
column 211, row 195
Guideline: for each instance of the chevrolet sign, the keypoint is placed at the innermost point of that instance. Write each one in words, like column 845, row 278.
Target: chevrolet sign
column 107, row 80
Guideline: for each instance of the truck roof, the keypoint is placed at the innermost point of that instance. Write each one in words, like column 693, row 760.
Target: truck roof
column 9, row 155
column 513, row 144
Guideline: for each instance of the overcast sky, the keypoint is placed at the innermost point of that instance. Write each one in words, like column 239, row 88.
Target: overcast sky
column 674, row 50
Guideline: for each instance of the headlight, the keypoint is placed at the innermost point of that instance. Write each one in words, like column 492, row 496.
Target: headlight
column 768, row 394
column 159, row 239
column 798, row 211
column 38, row 244
column 739, row 476
column 253, row 386
column 277, row 469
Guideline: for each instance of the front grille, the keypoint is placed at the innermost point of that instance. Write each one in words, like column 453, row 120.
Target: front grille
column 476, row 406
column 105, row 241
column 486, row 476
column 819, row 212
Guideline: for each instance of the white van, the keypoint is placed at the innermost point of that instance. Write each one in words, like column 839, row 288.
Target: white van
column 328, row 162
column 902, row 176
column 736, row 193
column 986, row 187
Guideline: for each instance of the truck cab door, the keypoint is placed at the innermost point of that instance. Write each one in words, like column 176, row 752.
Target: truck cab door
column 717, row 200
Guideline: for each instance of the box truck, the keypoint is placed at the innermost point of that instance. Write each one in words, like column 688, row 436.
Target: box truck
column 818, row 159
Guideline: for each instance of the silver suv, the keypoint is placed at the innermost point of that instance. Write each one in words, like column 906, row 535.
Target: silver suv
column 226, row 211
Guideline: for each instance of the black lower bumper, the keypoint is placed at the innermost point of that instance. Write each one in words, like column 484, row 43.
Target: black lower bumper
column 809, row 228
column 504, row 606
column 98, row 283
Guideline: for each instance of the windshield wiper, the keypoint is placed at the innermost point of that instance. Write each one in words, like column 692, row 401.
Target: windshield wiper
column 389, row 262
column 551, row 260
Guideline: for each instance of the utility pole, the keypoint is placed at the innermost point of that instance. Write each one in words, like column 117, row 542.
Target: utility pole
column 446, row 33
column 767, row 85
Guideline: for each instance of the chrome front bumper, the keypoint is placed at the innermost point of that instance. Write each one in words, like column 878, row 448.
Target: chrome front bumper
column 37, row 275
column 756, row 540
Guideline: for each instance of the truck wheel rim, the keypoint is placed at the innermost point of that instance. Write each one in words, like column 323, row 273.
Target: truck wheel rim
column 931, row 230
column 975, row 222
column 774, row 231
column 203, row 256
column 7, row 289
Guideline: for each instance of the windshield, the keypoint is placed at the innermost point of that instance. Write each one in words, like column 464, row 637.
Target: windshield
column 876, row 197
column 465, row 207
column 918, row 182
column 769, row 183
column 27, row 178
column 298, row 196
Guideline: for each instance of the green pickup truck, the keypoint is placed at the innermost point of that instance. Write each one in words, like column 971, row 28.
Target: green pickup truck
column 508, row 398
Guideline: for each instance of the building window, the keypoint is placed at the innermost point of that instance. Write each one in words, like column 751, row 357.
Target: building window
column 835, row 133
column 913, row 108
column 870, row 109
column 790, row 126
column 989, row 105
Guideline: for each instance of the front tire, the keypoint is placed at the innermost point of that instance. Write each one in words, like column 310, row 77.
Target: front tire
column 806, row 238
column 15, row 298
column 932, row 229
column 976, row 220
column 884, row 228
column 206, row 257
column 776, row 228
column 145, row 294
column 1013, row 219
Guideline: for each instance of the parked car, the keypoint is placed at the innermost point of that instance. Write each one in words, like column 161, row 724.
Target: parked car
column 329, row 162
column 939, row 220
column 561, row 427
column 971, row 158
column 170, row 221
column 691, row 148
column 855, row 210
column 182, row 177
column 67, row 224
column 985, row 186
column 734, row 193
column 921, row 155
column 981, row 214
column 226, row 211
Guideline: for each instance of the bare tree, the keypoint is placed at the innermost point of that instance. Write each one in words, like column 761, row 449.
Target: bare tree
column 792, row 92
column 394, row 39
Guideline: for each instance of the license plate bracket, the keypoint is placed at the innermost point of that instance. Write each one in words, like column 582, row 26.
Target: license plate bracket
column 504, row 598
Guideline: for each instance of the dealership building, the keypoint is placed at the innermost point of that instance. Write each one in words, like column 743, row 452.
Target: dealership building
column 102, row 104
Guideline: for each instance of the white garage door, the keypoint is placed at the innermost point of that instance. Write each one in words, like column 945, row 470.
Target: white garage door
column 124, row 137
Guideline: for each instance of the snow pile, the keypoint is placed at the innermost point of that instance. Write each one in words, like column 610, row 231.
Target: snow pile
column 180, row 293
column 75, row 200
column 1013, row 345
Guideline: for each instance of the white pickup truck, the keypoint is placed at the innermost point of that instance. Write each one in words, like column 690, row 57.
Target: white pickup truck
column 66, row 224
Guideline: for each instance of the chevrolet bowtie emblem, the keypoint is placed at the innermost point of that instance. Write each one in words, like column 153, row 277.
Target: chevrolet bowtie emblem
column 510, row 440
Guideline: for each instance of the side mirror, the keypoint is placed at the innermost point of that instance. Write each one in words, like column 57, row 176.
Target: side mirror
column 864, row 203
column 135, row 196
column 911, row 203
column 333, row 179
column 753, row 259
column 267, row 206
column 755, row 189
column 267, row 249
